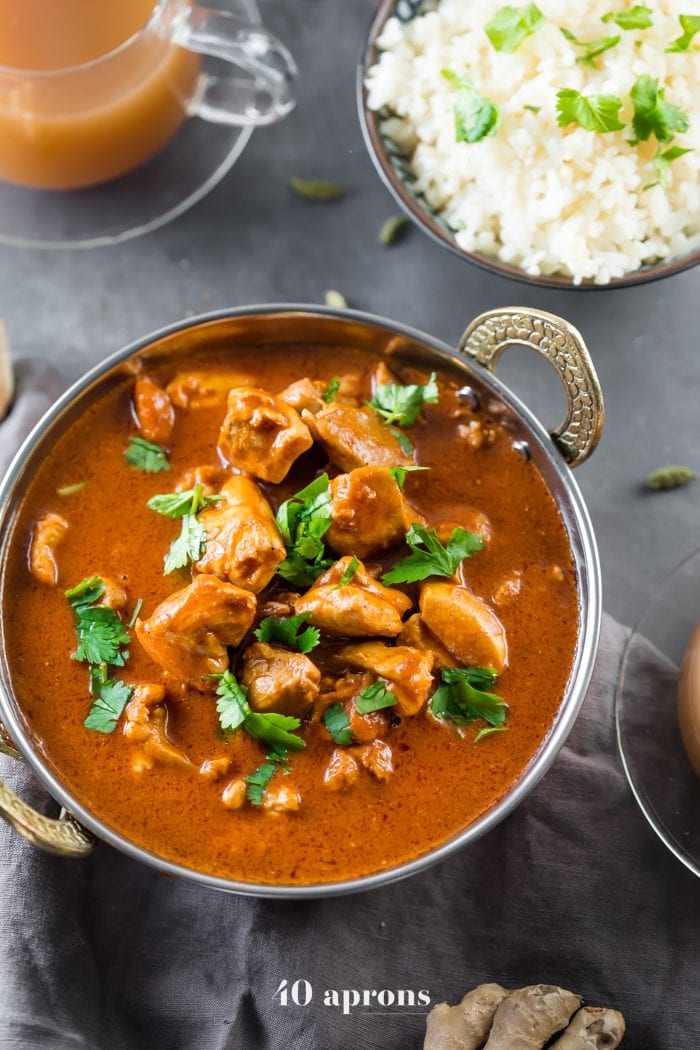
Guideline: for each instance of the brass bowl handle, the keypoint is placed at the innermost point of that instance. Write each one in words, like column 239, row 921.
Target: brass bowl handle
column 63, row 836
column 562, row 345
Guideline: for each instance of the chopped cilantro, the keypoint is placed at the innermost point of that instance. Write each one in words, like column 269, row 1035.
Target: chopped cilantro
column 476, row 117
column 690, row 24
column 178, row 504
column 303, row 520
column 136, row 613
column 399, row 473
column 653, row 115
column 287, row 630
column 331, row 391
column 591, row 112
column 233, row 710
column 662, row 165
column 533, row 109
column 637, row 17
column 400, row 405
column 430, row 557
column 100, row 632
column 403, row 440
column 336, row 721
column 511, row 25
column 462, row 698
column 112, row 697
column 260, row 778
column 592, row 48
column 488, row 730
column 374, row 698
column 353, row 566
column 145, row 455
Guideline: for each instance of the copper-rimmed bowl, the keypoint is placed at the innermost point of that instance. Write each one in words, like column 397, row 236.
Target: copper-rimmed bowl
column 394, row 169
column 276, row 327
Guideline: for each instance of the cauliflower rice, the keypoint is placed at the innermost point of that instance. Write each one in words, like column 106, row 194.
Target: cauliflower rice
column 549, row 200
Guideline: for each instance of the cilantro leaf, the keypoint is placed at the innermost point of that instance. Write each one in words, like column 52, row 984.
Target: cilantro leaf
column 430, row 557
column 662, row 165
column 592, row 48
column 400, row 405
column 690, row 24
column 637, row 17
column 331, row 391
column 178, row 504
column 403, row 440
column 511, row 25
column 399, row 474
column 100, row 632
column 287, row 630
column 303, row 520
column 374, row 698
column 591, row 112
column 107, row 708
column 234, row 711
column 189, row 545
column 274, row 729
column 488, row 730
column 462, row 700
column 260, row 778
column 652, row 115
column 353, row 566
column 476, row 117
column 145, row 455
column 232, row 704
column 336, row 721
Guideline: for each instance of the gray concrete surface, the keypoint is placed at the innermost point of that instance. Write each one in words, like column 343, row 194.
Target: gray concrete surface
column 252, row 241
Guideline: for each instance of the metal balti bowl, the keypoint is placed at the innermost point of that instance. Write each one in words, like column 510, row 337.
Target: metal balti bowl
column 265, row 327
column 394, row 170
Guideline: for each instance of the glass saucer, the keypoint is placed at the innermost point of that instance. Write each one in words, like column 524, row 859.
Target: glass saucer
column 189, row 166
column 659, row 773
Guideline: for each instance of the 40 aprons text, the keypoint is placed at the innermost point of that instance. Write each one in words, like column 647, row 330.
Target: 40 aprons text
column 301, row 993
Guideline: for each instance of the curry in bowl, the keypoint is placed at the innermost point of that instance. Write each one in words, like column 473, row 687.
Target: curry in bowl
column 289, row 618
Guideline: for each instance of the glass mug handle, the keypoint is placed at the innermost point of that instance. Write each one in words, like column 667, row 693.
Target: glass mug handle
column 263, row 99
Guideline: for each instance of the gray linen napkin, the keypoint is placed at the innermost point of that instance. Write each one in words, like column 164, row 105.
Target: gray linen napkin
column 573, row 889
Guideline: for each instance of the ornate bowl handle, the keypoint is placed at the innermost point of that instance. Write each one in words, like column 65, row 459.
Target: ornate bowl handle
column 562, row 345
column 63, row 836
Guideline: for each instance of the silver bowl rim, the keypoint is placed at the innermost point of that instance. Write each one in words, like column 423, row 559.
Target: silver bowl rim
column 590, row 616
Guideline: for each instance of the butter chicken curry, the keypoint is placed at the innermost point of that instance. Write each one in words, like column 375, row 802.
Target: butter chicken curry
column 292, row 621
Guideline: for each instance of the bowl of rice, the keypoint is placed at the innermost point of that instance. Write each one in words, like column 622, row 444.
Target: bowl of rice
column 556, row 143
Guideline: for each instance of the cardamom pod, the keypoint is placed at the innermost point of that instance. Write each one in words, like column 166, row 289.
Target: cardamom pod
column 317, row 189
column 672, row 477
column 393, row 229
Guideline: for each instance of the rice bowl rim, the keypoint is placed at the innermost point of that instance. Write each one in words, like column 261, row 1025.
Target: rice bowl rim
column 426, row 219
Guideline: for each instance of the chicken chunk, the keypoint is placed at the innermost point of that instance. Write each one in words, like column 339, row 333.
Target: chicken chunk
column 279, row 680
column 407, row 672
column 304, row 394
column 377, row 759
column 188, row 633
column 355, row 437
column 282, row 799
column 361, row 607
column 113, row 596
column 154, row 411
column 49, row 532
column 233, row 795
column 370, row 512
column 204, row 389
column 417, row 636
column 215, row 768
column 145, row 724
column 243, row 544
column 465, row 624
column 342, row 771
column 211, row 478
column 471, row 520
column 262, row 435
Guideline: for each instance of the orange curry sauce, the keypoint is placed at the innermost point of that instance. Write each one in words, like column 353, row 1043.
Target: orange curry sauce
column 441, row 782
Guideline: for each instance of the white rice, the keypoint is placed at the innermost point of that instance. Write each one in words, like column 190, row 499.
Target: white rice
column 547, row 199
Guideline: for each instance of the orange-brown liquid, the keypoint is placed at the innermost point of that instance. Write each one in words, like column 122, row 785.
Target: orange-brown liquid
column 63, row 127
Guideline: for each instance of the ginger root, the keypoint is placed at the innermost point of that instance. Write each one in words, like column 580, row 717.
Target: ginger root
column 593, row 1028
column 530, row 1016
column 467, row 1025
column 493, row 1018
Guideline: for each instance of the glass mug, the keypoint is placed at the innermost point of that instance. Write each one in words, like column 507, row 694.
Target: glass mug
column 90, row 89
